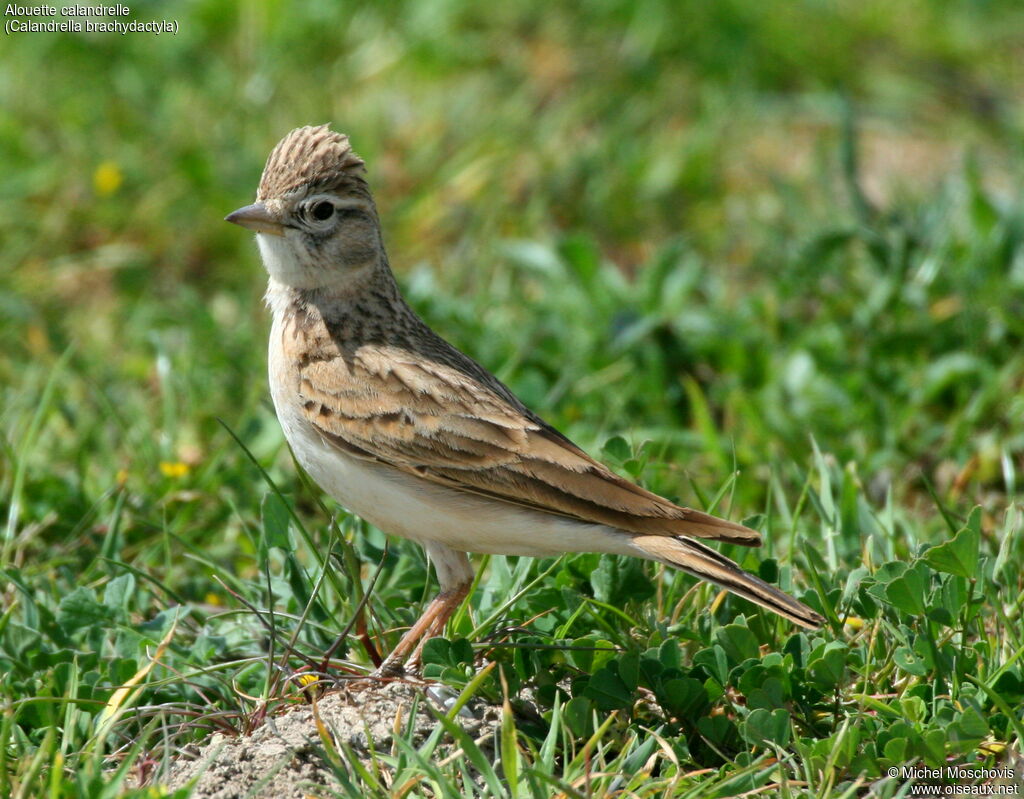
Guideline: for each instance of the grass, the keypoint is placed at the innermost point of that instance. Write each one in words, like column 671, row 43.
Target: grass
column 766, row 258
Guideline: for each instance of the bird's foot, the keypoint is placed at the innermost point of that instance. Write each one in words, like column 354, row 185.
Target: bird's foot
column 390, row 670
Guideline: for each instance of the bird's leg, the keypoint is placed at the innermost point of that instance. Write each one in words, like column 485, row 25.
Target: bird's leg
column 429, row 625
column 455, row 576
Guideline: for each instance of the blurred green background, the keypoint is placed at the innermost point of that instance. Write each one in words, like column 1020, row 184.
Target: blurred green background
column 725, row 226
column 701, row 238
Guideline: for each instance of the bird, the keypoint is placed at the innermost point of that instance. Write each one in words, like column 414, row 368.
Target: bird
column 415, row 437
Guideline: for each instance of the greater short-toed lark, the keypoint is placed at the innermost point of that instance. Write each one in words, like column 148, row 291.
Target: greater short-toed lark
column 410, row 434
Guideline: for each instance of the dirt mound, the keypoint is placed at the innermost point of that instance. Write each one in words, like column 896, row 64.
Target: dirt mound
column 285, row 759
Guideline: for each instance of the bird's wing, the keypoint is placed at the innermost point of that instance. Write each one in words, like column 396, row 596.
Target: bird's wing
column 440, row 424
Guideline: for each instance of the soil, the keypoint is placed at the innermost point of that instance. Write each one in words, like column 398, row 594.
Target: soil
column 284, row 758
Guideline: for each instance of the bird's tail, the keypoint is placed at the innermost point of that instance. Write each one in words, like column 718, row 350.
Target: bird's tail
column 706, row 564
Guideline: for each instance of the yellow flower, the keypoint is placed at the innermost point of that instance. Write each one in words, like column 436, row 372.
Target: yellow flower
column 854, row 622
column 107, row 178
column 173, row 469
column 310, row 686
column 37, row 340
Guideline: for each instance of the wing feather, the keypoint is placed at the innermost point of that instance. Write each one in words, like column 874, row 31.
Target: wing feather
column 434, row 421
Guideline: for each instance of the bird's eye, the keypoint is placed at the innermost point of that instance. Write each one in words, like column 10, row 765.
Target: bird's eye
column 322, row 211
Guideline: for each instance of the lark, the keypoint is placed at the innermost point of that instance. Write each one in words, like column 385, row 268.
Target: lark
column 415, row 437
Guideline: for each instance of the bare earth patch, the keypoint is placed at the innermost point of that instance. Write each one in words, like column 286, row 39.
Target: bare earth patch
column 285, row 759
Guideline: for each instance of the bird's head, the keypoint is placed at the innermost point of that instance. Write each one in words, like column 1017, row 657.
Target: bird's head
column 314, row 217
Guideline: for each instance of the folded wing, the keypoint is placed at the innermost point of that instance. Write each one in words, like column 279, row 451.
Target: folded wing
column 434, row 421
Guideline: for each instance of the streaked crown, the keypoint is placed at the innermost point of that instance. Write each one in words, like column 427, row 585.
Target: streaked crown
column 311, row 155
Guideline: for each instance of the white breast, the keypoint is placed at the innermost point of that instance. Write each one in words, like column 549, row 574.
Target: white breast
column 411, row 507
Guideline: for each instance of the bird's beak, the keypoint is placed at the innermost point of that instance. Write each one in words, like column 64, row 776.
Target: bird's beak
column 256, row 217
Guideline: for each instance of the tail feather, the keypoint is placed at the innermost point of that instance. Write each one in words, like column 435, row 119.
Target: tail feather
column 704, row 525
column 706, row 564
